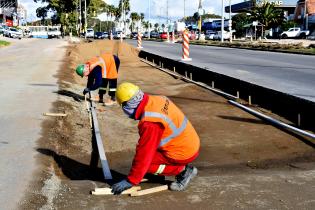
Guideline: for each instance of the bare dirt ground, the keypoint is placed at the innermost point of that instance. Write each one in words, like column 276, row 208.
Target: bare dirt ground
column 244, row 163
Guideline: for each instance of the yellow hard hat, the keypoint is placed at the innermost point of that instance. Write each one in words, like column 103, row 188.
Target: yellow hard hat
column 126, row 91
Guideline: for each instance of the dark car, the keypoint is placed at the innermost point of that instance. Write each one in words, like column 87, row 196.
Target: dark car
column 134, row 35
column 99, row 35
column 154, row 34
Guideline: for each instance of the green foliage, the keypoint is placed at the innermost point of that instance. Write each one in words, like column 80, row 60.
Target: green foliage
column 238, row 21
column 4, row 43
column 66, row 12
column 267, row 14
column 288, row 24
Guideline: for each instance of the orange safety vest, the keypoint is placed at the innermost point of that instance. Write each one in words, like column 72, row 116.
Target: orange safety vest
column 107, row 62
column 179, row 140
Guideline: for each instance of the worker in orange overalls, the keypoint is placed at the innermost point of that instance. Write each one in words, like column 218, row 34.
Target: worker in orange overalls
column 101, row 71
column 168, row 142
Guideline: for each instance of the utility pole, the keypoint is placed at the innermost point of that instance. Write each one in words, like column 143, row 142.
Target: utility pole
column 85, row 20
column 230, row 22
column 149, row 19
column 184, row 10
column 168, row 34
column 222, row 21
column 305, row 16
column 199, row 22
column 80, row 17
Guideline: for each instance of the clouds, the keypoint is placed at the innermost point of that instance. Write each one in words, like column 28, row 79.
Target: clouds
column 158, row 7
column 31, row 7
column 176, row 7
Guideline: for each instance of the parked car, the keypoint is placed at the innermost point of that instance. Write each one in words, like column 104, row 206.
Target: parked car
column 226, row 35
column 133, row 35
column 99, row 35
column 154, row 34
column 54, row 33
column 90, row 33
column 146, row 35
column 117, row 35
column 295, row 33
column 105, row 35
column 210, row 34
column 13, row 33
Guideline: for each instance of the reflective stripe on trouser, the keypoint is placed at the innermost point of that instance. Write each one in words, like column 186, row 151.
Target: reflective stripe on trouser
column 160, row 170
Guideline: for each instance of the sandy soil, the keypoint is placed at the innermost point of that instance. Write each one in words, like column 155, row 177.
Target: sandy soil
column 244, row 162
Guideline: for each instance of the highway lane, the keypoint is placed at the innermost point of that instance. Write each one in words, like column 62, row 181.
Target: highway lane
column 288, row 73
column 27, row 85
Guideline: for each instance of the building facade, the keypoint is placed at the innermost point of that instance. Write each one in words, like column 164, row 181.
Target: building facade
column 8, row 12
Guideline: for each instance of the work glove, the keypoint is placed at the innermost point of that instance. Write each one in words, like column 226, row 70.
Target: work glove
column 86, row 90
column 121, row 186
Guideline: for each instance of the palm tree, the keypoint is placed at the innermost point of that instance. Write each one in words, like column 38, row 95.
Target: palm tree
column 134, row 17
column 141, row 17
column 156, row 26
column 268, row 15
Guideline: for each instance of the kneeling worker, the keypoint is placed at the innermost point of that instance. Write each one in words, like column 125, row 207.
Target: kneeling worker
column 101, row 71
column 168, row 142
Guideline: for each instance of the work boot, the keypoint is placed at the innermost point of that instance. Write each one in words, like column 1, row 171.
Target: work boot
column 183, row 179
column 100, row 100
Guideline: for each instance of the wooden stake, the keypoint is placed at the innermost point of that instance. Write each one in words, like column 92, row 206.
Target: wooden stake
column 212, row 84
column 191, row 76
column 249, row 100
column 149, row 191
column 299, row 120
column 174, row 69
column 186, row 74
column 108, row 191
column 238, row 94
column 55, row 114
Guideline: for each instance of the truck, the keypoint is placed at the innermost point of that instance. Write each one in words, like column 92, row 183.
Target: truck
column 295, row 33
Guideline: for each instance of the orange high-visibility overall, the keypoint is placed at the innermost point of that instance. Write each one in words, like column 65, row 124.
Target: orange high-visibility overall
column 107, row 63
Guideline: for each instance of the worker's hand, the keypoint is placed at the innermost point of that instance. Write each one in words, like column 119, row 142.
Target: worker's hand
column 86, row 90
column 121, row 186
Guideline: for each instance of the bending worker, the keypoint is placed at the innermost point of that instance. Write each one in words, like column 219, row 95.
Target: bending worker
column 101, row 71
column 168, row 142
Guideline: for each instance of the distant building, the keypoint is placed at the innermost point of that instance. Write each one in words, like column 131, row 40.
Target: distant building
column 8, row 12
column 307, row 19
column 288, row 6
column 22, row 14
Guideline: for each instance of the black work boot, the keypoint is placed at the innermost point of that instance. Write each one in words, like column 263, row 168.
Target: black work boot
column 183, row 179
column 100, row 100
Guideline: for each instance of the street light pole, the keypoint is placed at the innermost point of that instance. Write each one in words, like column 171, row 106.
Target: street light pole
column 149, row 19
column 230, row 22
column 222, row 21
column 85, row 20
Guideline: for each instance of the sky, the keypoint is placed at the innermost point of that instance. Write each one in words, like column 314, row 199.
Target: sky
column 158, row 7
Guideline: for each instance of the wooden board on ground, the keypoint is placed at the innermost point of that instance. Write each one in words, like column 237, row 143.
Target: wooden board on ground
column 55, row 114
column 108, row 191
column 150, row 191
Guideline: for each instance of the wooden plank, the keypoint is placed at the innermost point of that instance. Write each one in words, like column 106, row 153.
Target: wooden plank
column 55, row 114
column 108, row 191
column 150, row 191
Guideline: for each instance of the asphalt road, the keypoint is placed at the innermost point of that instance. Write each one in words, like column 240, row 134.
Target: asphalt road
column 288, row 73
column 27, row 89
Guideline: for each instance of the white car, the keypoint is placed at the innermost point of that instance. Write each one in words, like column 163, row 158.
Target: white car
column 210, row 35
column 13, row 33
column 90, row 33
column 117, row 35
column 295, row 33
column 226, row 35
